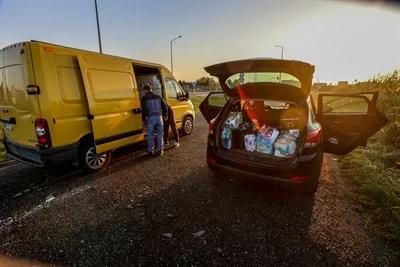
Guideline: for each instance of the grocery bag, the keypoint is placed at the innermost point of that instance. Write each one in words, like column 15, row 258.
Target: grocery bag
column 265, row 139
column 234, row 120
column 250, row 142
column 226, row 137
column 285, row 145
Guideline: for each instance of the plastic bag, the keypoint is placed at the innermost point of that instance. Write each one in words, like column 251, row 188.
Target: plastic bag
column 285, row 145
column 250, row 142
column 226, row 137
column 294, row 132
column 234, row 120
column 266, row 139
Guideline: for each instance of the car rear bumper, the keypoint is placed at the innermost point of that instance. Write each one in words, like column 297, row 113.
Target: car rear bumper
column 40, row 157
column 308, row 166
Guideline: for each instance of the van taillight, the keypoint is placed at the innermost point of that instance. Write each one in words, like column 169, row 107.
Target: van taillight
column 43, row 133
column 313, row 138
column 211, row 125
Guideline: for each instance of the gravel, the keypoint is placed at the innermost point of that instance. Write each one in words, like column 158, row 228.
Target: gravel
column 174, row 210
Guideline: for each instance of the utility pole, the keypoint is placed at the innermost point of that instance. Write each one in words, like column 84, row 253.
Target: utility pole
column 170, row 44
column 98, row 26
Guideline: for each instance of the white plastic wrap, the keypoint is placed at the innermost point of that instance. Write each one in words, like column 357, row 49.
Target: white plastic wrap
column 250, row 142
column 265, row 139
column 285, row 145
column 234, row 120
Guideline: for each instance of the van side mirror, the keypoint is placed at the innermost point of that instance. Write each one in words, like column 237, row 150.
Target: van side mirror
column 187, row 95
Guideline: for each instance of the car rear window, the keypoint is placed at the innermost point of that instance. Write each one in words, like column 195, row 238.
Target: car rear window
column 257, row 77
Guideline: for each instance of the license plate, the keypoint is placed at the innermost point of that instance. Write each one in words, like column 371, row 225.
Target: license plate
column 8, row 126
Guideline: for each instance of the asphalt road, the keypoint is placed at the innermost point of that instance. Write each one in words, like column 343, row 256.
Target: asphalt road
column 173, row 210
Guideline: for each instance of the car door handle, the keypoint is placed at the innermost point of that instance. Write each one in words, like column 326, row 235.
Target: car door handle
column 136, row 111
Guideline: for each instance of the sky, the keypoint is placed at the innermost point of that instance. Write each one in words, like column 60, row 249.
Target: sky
column 344, row 40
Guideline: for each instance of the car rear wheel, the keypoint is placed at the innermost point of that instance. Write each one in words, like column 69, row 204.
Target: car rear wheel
column 92, row 161
column 187, row 125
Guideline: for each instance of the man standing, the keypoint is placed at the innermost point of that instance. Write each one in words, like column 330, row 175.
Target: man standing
column 170, row 122
column 153, row 109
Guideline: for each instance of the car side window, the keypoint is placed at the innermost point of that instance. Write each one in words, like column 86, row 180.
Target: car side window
column 179, row 90
column 171, row 90
column 218, row 100
column 174, row 90
column 343, row 104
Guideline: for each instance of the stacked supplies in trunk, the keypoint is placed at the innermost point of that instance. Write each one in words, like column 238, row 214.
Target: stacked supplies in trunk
column 255, row 137
column 285, row 145
column 232, row 123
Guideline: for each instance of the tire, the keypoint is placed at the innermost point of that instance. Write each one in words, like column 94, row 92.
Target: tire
column 187, row 125
column 92, row 162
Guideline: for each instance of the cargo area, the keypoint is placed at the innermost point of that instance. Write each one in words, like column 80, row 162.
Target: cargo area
column 260, row 129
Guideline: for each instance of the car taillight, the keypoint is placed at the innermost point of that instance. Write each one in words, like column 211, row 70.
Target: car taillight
column 42, row 132
column 313, row 139
column 211, row 125
column 299, row 178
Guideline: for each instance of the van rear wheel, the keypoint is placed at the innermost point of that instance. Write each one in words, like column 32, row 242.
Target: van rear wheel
column 92, row 161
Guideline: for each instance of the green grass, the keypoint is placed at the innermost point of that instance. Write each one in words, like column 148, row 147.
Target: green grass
column 196, row 100
column 376, row 177
column 3, row 154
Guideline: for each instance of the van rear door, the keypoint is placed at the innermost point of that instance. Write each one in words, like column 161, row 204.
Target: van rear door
column 113, row 99
column 19, row 103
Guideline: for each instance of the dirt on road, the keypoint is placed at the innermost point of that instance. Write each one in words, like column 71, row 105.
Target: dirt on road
column 174, row 210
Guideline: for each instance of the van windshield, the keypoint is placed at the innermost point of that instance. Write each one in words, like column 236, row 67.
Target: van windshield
column 257, row 77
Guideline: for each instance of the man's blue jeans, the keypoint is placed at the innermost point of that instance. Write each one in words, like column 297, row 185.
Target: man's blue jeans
column 155, row 126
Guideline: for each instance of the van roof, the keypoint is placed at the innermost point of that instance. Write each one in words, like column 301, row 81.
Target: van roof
column 135, row 61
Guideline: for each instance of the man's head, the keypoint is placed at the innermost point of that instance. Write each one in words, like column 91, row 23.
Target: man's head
column 147, row 88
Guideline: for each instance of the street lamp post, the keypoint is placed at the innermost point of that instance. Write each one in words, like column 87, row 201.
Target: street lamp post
column 281, row 47
column 98, row 26
column 170, row 44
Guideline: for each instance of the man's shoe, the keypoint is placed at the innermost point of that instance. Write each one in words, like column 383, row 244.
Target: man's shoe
column 176, row 144
column 159, row 153
column 150, row 154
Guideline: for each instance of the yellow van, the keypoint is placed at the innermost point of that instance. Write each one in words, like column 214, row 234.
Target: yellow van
column 59, row 103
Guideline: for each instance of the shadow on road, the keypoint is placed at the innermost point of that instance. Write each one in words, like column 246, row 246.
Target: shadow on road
column 199, row 219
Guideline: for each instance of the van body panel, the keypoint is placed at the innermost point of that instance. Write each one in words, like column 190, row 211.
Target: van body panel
column 62, row 95
column 112, row 96
column 18, row 109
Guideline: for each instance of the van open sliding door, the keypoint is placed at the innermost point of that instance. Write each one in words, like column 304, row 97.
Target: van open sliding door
column 113, row 101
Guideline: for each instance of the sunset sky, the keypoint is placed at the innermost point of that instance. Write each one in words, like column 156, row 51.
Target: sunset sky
column 345, row 41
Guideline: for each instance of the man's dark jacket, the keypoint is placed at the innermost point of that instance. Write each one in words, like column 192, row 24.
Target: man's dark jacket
column 153, row 105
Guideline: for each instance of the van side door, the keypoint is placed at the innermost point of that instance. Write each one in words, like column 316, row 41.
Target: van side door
column 113, row 100
column 348, row 121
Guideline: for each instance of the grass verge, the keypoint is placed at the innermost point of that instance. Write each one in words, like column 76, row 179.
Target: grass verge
column 3, row 154
column 375, row 169
column 375, row 172
column 196, row 100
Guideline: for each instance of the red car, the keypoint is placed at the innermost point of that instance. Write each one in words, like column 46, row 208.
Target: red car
column 265, row 123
